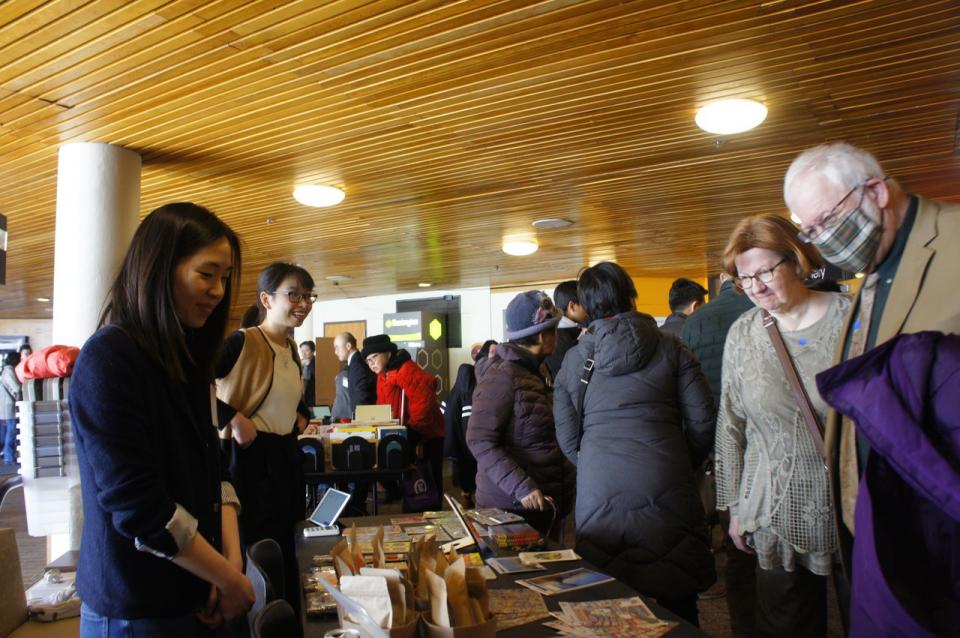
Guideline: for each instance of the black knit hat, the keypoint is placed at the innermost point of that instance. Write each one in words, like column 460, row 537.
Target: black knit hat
column 375, row 344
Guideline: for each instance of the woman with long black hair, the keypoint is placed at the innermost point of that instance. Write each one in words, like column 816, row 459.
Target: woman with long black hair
column 160, row 553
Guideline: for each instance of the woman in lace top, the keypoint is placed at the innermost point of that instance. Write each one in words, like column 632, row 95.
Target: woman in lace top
column 769, row 474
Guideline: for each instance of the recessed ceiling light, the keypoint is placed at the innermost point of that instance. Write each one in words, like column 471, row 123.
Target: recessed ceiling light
column 338, row 277
column 551, row 222
column 520, row 247
column 43, row 299
column 725, row 117
column 318, row 195
column 424, row 284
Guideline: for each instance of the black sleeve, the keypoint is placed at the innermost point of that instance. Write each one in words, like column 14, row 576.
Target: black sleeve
column 696, row 405
column 362, row 384
column 229, row 353
column 453, row 415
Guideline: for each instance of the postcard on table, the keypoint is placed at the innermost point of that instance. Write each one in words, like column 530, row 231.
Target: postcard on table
column 550, row 556
column 512, row 565
column 564, row 582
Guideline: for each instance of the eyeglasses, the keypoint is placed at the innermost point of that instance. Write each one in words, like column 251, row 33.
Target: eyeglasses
column 745, row 282
column 832, row 216
column 295, row 297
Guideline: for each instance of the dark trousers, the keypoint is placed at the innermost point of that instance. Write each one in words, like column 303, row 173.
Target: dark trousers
column 684, row 606
column 741, row 582
column 269, row 483
column 791, row 603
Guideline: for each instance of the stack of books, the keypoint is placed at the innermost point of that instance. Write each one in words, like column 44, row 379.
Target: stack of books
column 514, row 536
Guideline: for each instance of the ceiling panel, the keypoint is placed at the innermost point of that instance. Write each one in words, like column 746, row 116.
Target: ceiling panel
column 449, row 124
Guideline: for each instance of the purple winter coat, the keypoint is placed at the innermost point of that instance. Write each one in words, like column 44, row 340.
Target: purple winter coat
column 904, row 396
column 512, row 435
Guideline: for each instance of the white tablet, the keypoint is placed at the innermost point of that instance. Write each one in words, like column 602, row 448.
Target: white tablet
column 329, row 508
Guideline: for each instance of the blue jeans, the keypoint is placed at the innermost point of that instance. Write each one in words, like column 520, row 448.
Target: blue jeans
column 9, row 428
column 93, row 625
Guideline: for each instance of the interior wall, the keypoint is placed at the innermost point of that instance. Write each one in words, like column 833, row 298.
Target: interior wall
column 40, row 331
column 481, row 311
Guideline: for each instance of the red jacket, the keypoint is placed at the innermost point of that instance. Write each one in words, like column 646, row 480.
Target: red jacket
column 422, row 412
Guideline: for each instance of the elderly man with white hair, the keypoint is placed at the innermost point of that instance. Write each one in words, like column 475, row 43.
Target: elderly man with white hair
column 908, row 249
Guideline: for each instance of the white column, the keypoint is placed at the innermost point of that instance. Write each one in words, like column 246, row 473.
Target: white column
column 98, row 205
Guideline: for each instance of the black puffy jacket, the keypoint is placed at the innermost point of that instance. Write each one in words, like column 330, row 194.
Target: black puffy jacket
column 649, row 421
column 705, row 331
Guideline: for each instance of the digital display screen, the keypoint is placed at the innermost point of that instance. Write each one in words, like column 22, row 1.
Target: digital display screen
column 329, row 508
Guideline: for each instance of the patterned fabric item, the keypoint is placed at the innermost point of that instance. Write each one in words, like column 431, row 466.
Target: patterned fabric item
column 768, row 471
column 851, row 243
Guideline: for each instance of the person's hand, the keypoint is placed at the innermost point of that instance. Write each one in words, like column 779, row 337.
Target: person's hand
column 236, row 596
column 210, row 614
column 244, row 430
column 533, row 500
column 736, row 537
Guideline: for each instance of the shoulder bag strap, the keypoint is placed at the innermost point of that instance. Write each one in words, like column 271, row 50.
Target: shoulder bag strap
column 799, row 392
column 584, row 382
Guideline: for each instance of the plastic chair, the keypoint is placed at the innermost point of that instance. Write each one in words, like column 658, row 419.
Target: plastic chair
column 263, row 592
column 355, row 453
column 268, row 556
column 311, row 455
column 276, row 620
column 311, row 462
column 393, row 453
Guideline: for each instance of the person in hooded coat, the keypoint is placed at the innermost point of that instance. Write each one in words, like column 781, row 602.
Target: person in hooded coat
column 511, row 432
column 648, row 421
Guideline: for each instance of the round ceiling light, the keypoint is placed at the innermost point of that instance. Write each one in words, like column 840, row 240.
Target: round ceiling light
column 318, row 195
column 725, row 117
column 338, row 278
column 551, row 222
column 520, row 247
column 424, row 284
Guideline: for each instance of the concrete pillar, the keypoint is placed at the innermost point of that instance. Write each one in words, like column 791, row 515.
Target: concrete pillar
column 98, row 206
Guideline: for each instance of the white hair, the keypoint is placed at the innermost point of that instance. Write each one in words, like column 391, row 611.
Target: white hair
column 841, row 164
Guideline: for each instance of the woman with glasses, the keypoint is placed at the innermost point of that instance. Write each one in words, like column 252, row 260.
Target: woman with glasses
column 261, row 409
column 412, row 394
column 769, row 474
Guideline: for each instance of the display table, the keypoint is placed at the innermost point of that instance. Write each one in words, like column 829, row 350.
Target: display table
column 315, row 628
column 314, row 479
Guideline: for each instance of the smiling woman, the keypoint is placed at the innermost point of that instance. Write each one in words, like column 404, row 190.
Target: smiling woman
column 159, row 515
column 262, row 411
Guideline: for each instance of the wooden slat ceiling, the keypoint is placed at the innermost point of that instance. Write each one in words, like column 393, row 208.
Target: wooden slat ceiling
column 451, row 123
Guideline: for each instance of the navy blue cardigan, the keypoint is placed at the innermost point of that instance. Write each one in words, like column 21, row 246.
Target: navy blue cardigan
column 145, row 444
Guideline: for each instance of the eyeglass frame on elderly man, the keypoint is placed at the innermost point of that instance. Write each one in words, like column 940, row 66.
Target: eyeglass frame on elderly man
column 832, row 216
column 763, row 276
column 296, row 297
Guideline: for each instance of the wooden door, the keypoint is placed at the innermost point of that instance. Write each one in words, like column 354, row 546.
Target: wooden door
column 357, row 328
